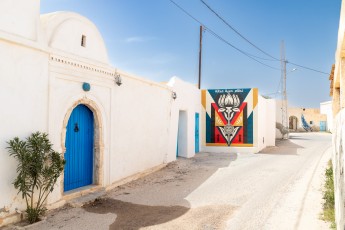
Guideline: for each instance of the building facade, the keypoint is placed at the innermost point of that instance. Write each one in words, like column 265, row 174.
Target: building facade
column 326, row 109
column 56, row 78
column 337, row 91
column 312, row 116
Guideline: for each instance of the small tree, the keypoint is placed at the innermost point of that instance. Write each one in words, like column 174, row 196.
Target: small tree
column 39, row 167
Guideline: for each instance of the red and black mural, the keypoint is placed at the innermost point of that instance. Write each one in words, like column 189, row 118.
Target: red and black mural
column 229, row 116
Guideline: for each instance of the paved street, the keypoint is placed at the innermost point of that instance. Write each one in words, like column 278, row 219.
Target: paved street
column 278, row 188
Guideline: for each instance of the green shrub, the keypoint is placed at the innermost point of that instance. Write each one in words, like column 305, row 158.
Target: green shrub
column 39, row 167
column 328, row 196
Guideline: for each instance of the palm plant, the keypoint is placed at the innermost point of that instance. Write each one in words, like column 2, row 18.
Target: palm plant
column 39, row 167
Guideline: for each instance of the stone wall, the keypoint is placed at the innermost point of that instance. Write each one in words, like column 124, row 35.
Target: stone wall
column 338, row 167
column 337, row 78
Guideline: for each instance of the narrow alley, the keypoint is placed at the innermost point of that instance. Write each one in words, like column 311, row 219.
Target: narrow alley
column 278, row 188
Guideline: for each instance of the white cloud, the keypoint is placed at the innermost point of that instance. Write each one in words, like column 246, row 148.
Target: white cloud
column 160, row 59
column 139, row 39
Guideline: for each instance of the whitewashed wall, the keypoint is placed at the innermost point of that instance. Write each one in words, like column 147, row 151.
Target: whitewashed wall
column 24, row 102
column 140, row 113
column 338, row 102
column 63, row 31
column 183, row 112
column 43, row 67
column 135, row 117
column 40, row 83
column 279, row 119
column 23, row 90
column 338, row 160
column 266, row 122
column 20, row 18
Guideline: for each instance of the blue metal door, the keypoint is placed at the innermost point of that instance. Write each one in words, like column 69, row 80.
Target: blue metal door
column 196, row 132
column 79, row 149
column 322, row 125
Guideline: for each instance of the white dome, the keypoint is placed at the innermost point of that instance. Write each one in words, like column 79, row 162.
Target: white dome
column 65, row 30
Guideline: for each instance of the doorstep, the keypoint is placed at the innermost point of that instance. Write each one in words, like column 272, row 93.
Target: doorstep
column 84, row 195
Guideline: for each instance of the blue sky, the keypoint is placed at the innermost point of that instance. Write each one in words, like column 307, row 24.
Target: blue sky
column 156, row 40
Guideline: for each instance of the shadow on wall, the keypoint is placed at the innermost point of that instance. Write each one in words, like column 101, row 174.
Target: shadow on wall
column 281, row 128
column 161, row 197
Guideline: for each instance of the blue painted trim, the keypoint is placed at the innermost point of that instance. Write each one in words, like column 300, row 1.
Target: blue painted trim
column 86, row 86
column 196, row 132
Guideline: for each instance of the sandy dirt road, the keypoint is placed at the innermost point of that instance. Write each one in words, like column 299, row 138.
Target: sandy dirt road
column 278, row 188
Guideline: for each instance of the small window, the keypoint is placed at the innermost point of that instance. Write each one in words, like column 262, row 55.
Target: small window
column 83, row 40
column 311, row 122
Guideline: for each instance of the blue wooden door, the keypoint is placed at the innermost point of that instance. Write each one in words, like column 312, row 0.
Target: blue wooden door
column 322, row 125
column 196, row 132
column 78, row 170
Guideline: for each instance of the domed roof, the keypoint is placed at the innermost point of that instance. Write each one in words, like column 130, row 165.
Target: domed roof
column 72, row 33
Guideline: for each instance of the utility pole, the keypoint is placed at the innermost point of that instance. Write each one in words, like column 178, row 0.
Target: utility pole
column 200, row 52
column 284, row 95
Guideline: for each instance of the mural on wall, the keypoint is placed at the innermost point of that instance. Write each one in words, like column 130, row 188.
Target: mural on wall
column 229, row 116
column 305, row 124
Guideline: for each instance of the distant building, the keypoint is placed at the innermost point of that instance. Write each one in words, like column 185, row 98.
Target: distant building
column 312, row 116
column 326, row 108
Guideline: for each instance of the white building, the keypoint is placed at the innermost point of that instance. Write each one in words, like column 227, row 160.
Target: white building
column 45, row 61
column 282, row 129
column 55, row 77
column 326, row 108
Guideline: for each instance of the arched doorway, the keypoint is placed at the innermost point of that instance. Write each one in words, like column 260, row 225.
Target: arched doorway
column 293, row 123
column 79, row 145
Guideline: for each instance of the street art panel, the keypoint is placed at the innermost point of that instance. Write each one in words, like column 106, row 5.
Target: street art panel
column 230, row 116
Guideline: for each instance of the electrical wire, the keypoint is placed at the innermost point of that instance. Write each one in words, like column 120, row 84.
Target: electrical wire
column 304, row 67
column 253, row 57
column 238, row 33
column 239, row 50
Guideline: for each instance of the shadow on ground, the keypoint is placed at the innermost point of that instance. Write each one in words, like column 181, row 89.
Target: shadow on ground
column 298, row 138
column 157, row 201
column 136, row 216
column 283, row 147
